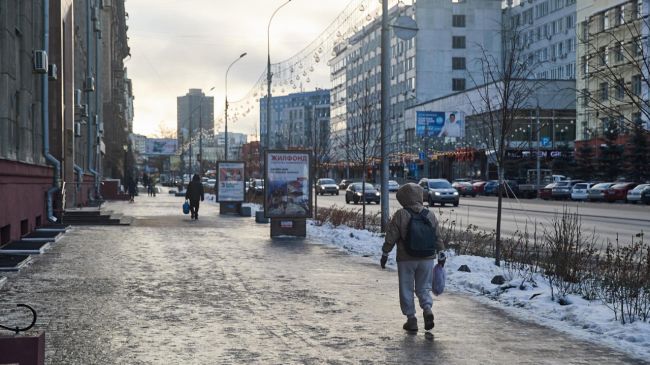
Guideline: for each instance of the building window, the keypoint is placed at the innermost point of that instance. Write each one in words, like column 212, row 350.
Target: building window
column 458, row 21
column 585, row 98
column 620, row 89
column 639, row 9
column 636, row 85
column 604, row 91
column 638, row 46
column 618, row 52
column 458, row 63
column 602, row 53
column 605, row 21
column 457, row 84
column 458, row 42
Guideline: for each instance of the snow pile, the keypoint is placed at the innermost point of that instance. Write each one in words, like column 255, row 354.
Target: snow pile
column 590, row 320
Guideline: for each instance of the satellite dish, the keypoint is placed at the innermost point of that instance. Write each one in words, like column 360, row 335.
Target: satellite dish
column 405, row 27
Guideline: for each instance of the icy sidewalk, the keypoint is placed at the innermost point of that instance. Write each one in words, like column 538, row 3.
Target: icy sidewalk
column 168, row 290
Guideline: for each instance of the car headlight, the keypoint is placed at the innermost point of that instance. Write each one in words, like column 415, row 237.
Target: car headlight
column 358, row 194
column 455, row 193
column 377, row 193
column 436, row 193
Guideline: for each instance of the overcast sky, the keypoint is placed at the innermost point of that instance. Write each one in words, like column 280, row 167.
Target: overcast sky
column 181, row 44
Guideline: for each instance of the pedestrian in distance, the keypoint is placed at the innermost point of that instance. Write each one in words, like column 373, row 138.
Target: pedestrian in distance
column 131, row 188
column 194, row 193
column 414, row 230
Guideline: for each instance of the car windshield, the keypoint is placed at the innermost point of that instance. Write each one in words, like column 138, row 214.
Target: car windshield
column 641, row 187
column 550, row 186
column 327, row 181
column 392, row 182
column 562, row 184
column 357, row 186
column 580, row 186
column 601, row 186
column 439, row 185
column 619, row 186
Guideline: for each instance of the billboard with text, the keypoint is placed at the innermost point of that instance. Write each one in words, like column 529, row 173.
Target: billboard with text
column 440, row 124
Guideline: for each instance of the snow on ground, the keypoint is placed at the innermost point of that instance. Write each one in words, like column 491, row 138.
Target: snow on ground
column 589, row 320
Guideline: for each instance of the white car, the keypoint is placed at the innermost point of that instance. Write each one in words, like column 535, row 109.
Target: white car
column 580, row 191
column 393, row 185
column 634, row 195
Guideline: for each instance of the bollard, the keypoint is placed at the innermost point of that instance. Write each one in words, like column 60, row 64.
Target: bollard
column 245, row 211
column 260, row 218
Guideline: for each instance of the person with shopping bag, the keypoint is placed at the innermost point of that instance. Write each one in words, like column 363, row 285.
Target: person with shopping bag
column 414, row 230
column 194, row 193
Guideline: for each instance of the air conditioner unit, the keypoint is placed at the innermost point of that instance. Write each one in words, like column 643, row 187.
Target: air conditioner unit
column 40, row 61
column 77, row 129
column 77, row 98
column 52, row 72
column 84, row 111
column 94, row 13
column 95, row 119
column 100, row 128
column 90, row 84
column 98, row 25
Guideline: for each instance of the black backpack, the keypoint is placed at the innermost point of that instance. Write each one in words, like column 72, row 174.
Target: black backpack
column 421, row 237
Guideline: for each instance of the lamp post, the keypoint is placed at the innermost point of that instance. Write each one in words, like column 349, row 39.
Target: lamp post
column 226, row 109
column 269, row 75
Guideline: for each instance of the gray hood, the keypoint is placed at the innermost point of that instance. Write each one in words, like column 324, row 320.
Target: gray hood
column 410, row 196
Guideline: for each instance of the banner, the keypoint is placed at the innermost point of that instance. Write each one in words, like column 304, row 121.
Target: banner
column 287, row 187
column 230, row 181
column 440, row 124
column 160, row 146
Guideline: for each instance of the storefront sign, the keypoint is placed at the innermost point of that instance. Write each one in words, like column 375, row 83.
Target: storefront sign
column 287, row 192
column 230, row 181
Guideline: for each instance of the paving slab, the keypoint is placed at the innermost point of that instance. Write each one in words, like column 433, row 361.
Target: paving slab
column 129, row 295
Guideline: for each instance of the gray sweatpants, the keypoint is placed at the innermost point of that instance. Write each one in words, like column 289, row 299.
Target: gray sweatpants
column 420, row 274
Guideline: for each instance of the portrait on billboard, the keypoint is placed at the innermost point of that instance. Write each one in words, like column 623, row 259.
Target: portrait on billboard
column 453, row 126
column 287, row 192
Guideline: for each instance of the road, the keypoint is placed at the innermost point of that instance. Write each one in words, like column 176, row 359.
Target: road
column 168, row 290
column 607, row 220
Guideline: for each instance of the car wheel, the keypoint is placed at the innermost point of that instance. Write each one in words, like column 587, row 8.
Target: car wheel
column 456, row 204
column 431, row 203
column 337, row 193
column 442, row 204
column 347, row 201
column 355, row 200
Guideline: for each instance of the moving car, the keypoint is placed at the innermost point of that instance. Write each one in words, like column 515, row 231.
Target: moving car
column 355, row 192
column 634, row 195
column 439, row 191
column 344, row 184
column 618, row 191
column 464, row 188
column 393, row 185
column 326, row 186
column 580, row 191
column 597, row 192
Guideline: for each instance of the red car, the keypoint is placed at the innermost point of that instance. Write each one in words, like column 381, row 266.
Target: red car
column 479, row 187
column 618, row 191
column 546, row 192
column 464, row 188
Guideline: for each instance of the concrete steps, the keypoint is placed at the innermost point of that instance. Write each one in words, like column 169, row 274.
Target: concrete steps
column 94, row 217
column 13, row 262
column 25, row 248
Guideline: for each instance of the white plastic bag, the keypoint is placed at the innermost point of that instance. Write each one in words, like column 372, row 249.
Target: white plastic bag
column 439, row 278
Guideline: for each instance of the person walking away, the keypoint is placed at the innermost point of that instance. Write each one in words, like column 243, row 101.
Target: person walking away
column 132, row 187
column 193, row 194
column 414, row 230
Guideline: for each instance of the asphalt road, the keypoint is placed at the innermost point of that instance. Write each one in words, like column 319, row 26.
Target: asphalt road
column 607, row 220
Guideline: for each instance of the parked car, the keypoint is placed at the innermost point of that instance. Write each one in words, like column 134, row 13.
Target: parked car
column 344, row 184
column 580, row 191
column 510, row 188
column 490, row 188
column 562, row 189
column 393, row 185
column 464, row 188
column 618, row 191
column 634, row 195
column 645, row 196
column 439, row 191
column 479, row 187
column 256, row 187
column 355, row 191
column 597, row 192
column 326, row 186
column 545, row 192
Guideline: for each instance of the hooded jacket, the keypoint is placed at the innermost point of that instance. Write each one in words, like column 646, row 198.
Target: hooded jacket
column 194, row 190
column 409, row 196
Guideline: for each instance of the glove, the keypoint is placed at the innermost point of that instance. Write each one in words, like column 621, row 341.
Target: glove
column 384, row 259
column 442, row 258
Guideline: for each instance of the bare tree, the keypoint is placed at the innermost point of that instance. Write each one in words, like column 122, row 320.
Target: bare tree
column 617, row 67
column 506, row 82
column 165, row 132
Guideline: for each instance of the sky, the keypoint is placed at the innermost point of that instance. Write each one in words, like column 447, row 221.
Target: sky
column 181, row 44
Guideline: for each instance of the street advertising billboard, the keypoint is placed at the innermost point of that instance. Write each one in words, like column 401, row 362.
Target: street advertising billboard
column 287, row 192
column 440, row 124
column 161, row 146
column 230, row 181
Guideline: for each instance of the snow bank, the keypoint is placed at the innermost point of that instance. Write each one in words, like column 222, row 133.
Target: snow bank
column 589, row 320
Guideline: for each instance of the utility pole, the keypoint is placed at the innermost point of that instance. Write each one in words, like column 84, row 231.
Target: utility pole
column 385, row 100
column 538, row 141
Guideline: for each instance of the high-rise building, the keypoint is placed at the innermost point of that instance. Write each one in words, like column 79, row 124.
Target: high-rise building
column 194, row 112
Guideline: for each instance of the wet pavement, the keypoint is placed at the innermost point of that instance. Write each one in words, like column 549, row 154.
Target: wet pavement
column 168, row 290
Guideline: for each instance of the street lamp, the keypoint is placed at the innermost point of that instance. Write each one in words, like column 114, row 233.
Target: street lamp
column 269, row 76
column 226, row 111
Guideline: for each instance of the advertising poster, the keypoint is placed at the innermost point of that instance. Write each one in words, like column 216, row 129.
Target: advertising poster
column 287, row 191
column 161, row 146
column 230, row 181
column 440, row 124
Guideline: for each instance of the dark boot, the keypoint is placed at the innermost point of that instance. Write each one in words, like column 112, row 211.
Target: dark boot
column 428, row 320
column 411, row 324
